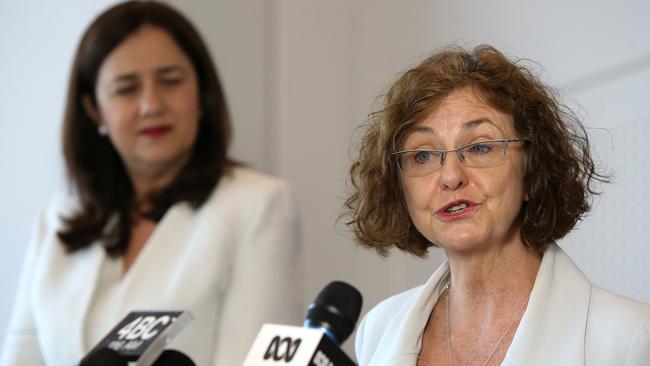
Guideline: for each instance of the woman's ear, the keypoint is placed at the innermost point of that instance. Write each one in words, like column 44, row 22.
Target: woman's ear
column 91, row 109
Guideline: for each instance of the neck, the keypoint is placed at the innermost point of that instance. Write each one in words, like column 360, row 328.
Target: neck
column 488, row 276
column 147, row 179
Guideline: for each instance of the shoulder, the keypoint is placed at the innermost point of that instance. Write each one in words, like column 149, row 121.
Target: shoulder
column 246, row 178
column 616, row 317
column 245, row 196
column 382, row 321
column 57, row 207
column 244, row 184
column 605, row 302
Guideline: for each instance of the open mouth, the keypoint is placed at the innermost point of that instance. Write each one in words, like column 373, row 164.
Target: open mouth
column 457, row 207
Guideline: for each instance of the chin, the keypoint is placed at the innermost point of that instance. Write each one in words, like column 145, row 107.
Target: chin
column 460, row 241
column 164, row 157
column 462, row 246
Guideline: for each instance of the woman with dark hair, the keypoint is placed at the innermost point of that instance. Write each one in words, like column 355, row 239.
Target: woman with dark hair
column 473, row 154
column 158, row 216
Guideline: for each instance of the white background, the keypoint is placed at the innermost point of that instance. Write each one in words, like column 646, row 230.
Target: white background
column 300, row 75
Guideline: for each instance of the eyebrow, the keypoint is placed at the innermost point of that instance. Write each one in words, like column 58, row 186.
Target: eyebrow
column 168, row 69
column 159, row 71
column 124, row 77
column 477, row 122
column 466, row 125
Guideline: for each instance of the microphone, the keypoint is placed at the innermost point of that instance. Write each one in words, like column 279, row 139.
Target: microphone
column 138, row 339
column 335, row 311
column 109, row 357
column 104, row 357
column 173, row 358
column 330, row 321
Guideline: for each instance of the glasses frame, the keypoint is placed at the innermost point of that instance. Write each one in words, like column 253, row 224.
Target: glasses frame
column 458, row 151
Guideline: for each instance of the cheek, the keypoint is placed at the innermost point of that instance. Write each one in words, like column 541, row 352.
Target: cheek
column 510, row 190
column 517, row 183
column 418, row 194
column 188, row 107
column 187, row 98
column 190, row 123
column 117, row 115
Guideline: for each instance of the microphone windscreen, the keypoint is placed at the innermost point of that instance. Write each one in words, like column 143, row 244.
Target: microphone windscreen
column 335, row 310
column 104, row 357
column 173, row 357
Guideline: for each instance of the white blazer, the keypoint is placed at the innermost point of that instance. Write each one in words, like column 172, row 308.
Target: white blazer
column 568, row 322
column 233, row 264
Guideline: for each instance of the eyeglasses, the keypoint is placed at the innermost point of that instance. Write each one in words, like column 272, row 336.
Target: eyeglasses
column 481, row 154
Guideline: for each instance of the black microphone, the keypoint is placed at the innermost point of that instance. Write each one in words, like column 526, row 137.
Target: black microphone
column 173, row 358
column 335, row 311
column 109, row 357
column 330, row 321
column 104, row 357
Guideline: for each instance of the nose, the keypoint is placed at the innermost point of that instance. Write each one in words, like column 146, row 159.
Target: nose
column 452, row 172
column 151, row 100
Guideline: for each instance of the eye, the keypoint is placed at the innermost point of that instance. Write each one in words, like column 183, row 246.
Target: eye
column 480, row 148
column 125, row 89
column 422, row 157
column 170, row 81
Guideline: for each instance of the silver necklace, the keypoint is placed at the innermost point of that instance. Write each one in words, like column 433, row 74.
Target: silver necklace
column 503, row 336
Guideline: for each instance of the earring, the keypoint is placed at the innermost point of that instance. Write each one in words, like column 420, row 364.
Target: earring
column 102, row 130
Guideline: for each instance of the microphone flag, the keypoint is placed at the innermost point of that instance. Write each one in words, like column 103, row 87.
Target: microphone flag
column 141, row 336
column 288, row 345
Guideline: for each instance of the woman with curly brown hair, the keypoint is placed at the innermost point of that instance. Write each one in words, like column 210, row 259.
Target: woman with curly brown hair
column 473, row 154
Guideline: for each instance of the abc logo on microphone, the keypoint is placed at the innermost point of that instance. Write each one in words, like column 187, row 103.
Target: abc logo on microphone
column 288, row 345
column 282, row 348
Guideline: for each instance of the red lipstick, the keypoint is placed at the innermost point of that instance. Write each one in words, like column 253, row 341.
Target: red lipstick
column 155, row 131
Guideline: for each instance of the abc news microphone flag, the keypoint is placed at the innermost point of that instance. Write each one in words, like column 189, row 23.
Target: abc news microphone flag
column 142, row 335
column 288, row 345
column 330, row 320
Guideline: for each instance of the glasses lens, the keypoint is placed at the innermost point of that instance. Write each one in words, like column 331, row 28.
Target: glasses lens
column 484, row 154
column 415, row 163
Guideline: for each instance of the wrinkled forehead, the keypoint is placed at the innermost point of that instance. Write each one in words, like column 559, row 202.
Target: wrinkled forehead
column 480, row 125
column 463, row 113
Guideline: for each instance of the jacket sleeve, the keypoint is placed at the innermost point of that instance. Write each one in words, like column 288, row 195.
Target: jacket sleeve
column 21, row 341
column 639, row 351
column 266, row 284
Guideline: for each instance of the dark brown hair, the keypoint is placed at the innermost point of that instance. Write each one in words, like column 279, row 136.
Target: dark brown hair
column 559, row 171
column 95, row 170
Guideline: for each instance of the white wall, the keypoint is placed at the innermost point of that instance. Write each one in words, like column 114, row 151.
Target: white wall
column 300, row 75
column 36, row 51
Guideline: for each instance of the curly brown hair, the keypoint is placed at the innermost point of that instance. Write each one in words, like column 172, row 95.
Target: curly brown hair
column 560, row 173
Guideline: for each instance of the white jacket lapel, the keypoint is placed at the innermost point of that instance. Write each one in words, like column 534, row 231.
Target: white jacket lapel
column 552, row 330
column 64, row 287
column 403, row 344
